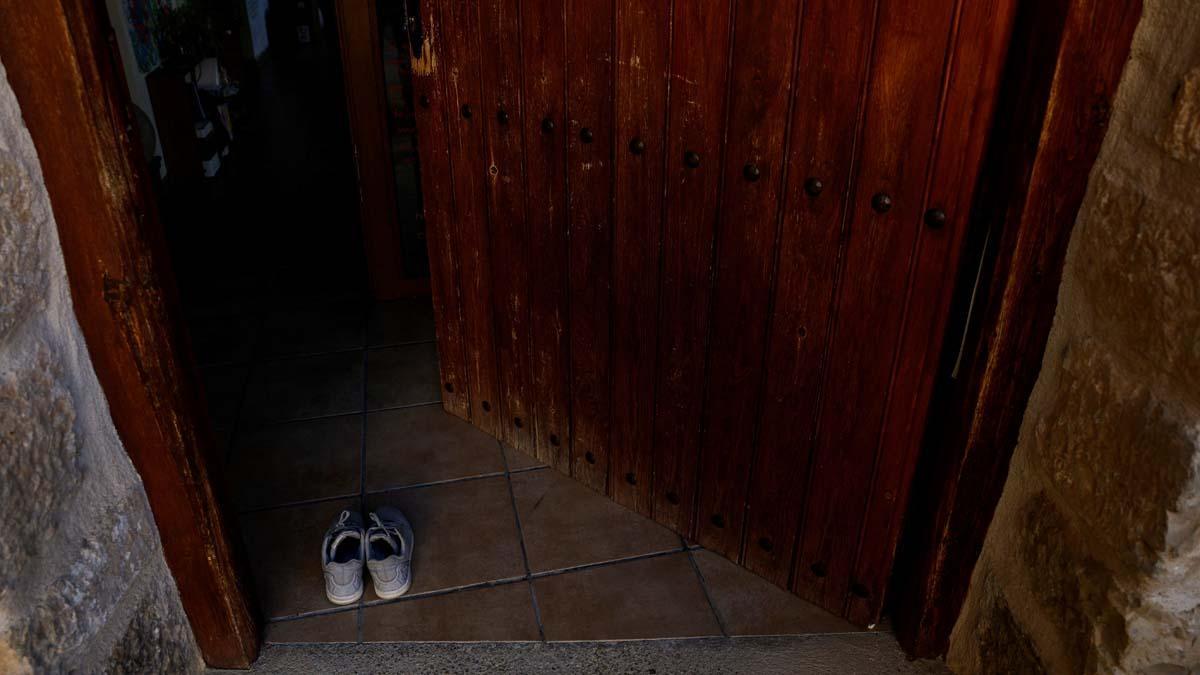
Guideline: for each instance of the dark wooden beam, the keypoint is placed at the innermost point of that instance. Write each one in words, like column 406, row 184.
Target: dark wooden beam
column 1064, row 65
column 61, row 63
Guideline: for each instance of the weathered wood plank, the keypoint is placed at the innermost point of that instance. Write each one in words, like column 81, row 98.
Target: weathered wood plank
column 543, row 49
column 899, row 130
column 1066, row 60
column 643, row 46
column 825, row 122
column 502, row 117
column 695, row 119
column 976, row 62
column 437, row 195
column 75, row 105
column 589, row 204
column 754, row 174
column 463, row 97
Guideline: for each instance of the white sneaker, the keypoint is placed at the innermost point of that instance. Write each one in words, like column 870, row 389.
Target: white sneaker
column 342, row 555
column 389, row 552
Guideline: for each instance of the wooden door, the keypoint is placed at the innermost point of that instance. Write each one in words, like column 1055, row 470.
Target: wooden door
column 698, row 254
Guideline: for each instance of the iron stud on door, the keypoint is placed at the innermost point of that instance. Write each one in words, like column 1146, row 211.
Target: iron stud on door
column 814, row 187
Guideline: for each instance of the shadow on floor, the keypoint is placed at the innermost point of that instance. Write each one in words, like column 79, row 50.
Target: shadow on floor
column 333, row 405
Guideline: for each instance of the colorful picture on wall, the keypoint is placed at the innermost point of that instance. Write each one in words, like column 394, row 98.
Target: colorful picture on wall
column 141, row 16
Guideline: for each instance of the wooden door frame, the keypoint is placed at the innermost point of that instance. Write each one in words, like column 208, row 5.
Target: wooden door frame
column 366, row 108
column 1065, row 62
column 61, row 63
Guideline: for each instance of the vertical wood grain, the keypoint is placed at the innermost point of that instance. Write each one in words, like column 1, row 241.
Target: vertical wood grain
column 366, row 109
column 502, row 117
column 465, row 135
column 976, row 63
column 699, row 69
column 900, row 126
column 761, row 72
column 825, row 121
column 543, row 49
column 589, row 205
column 437, row 199
column 643, row 45
column 63, row 69
column 1065, row 63
column 718, row 328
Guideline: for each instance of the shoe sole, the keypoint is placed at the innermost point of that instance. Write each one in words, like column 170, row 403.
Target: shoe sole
column 344, row 600
column 391, row 595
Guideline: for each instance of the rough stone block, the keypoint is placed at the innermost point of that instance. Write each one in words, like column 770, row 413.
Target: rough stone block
column 1073, row 588
column 1137, row 263
column 39, row 460
column 993, row 642
column 157, row 638
column 95, row 577
column 1183, row 133
column 23, row 278
column 1112, row 451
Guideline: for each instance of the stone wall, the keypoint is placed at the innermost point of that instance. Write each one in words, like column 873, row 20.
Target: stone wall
column 83, row 584
column 1092, row 563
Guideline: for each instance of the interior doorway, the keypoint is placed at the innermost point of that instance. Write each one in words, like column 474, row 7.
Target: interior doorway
column 288, row 183
column 125, row 304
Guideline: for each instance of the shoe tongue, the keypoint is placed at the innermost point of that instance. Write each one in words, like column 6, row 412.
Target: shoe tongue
column 342, row 536
column 382, row 535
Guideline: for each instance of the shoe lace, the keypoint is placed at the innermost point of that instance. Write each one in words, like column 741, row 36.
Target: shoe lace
column 390, row 530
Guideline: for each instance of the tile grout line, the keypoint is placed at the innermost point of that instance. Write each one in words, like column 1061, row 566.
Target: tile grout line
column 559, row 571
column 397, row 488
column 296, row 504
column 278, row 358
column 328, row 416
column 477, row 585
column 367, row 604
column 239, row 412
column 707, row 596
column 537, row 611
column 362, row 459
column 360, row 619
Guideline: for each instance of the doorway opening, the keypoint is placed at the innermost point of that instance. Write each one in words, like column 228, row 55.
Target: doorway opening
column 308, row 311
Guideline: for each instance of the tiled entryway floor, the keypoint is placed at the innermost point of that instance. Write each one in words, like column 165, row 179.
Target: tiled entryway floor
column 335, row 405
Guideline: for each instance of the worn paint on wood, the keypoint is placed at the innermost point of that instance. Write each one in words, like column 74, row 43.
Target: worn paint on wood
column 696, row 293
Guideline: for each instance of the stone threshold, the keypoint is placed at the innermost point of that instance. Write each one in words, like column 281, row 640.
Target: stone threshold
column 843, row 653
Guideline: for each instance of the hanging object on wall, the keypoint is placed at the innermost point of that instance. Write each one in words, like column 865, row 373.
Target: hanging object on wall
column 141, row 18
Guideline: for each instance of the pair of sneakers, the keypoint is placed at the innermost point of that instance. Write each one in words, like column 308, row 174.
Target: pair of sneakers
column 385, row 548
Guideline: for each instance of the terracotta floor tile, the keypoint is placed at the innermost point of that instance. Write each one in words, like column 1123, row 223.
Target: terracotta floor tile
column 406, row 375
column 284, row 546
column 501, row 613
column 518, row 460
column 305, row 387
column 465, row 533
column 313, row 329
column 641, row 599
column 750, row 605
column 401, row 321
column 297, row 461
column 423, row 445
column 565, row 524
column 339, row 627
